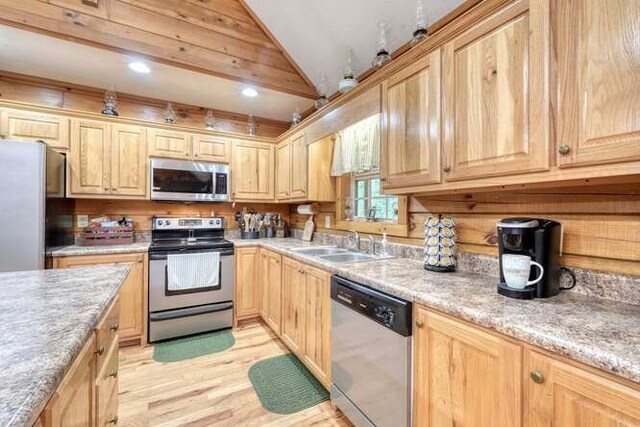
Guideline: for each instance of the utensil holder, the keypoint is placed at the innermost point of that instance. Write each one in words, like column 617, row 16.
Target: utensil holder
column 249, row 234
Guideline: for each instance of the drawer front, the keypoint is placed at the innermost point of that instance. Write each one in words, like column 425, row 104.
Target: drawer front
column 107, row 389
column 107, row 334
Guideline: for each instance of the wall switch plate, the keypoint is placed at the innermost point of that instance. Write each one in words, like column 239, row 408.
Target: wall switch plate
column 82, row 221
column 327, row 221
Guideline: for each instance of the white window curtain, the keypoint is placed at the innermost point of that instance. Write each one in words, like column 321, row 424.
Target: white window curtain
column 357, row 148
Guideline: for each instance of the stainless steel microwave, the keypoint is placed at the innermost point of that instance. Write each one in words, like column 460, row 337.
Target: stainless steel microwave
column 180, row 180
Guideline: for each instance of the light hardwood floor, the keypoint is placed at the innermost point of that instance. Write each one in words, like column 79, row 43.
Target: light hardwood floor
column 211, row 390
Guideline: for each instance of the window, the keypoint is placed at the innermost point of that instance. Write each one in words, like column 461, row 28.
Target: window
column 368, row 201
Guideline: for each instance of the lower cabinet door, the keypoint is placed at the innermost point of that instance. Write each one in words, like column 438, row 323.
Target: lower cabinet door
column 317, row 337
column 107, row 390
column 293, row 304
column 464, row 376
column 561, row 394
column 274, row 300
column 264, row 283
column 247, row 303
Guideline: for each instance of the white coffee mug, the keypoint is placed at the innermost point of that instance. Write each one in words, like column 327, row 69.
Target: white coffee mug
column 516, row 270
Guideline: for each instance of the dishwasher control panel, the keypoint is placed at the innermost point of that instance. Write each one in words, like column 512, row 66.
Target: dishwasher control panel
column 388, row 310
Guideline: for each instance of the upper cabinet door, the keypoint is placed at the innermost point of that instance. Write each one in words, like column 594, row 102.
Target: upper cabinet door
column 32, row 126
column 283, row 171
column 252, row 171
column 169, row 144
column 89, row 158
column 598, row 81
column 299, row 167
column 495, row 94
column 128, row 160
column 211, row 149
column 411, row 124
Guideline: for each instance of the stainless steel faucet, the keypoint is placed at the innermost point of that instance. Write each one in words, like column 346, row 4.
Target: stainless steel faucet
column 355, row 236
column 372, row 244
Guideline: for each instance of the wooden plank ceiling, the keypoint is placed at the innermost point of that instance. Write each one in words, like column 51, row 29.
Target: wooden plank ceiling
column 217, row 37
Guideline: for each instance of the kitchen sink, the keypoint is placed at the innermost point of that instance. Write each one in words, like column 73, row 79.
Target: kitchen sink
column 350, row 257
column 318, row 251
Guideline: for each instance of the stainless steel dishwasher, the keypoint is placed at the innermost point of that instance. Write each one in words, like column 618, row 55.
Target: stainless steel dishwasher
column 370, row 354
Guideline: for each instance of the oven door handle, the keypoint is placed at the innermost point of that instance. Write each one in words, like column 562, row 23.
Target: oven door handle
column 189, row 311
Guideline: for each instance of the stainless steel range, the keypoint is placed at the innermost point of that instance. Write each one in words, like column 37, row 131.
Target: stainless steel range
column 191, row 277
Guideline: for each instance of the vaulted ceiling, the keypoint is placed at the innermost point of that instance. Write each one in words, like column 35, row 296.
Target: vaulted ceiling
column 204, row 52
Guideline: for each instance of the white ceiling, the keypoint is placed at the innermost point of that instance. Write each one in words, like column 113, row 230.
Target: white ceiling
column 317, row 34
column 42, row 56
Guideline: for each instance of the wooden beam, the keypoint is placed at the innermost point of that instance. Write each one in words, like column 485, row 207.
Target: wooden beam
column 123, row 27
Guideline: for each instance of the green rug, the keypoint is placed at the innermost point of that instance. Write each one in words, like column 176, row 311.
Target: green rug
column 285, row 386
column 193, row 346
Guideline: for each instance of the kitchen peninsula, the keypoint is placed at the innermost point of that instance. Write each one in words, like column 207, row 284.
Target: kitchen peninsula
column 47, row 317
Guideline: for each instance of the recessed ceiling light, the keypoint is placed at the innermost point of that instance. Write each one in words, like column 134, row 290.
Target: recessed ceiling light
column 249, row 92
column 139, row 67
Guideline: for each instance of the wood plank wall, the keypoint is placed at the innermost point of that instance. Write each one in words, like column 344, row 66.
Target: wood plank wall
column 141, row 211
column 601, row 224
column 52, row 93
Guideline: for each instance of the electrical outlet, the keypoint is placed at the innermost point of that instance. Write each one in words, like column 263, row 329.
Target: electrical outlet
column 82, row 221
column 327, row 221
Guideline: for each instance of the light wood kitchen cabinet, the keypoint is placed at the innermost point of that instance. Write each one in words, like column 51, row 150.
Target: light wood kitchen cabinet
column 169, row 144
column 247, row 303
column 464, row 375
column 495, row 95
column 73, row 403
column 561, row 394
column 299, row 167
column 293, row 305
column 132, row 318
column 271, row 289
column 283, row 171
column 33, row 126
column 207, row 148
column 274, row 291
column 317, row 336
column 252, row 171
column 107, row 159
column 321, row 185
column 598, row 82
column 89, row 162
column 128, row 160
column 410, row 135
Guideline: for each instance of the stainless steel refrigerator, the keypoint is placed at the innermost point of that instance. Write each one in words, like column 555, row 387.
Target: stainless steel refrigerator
column 35, row 215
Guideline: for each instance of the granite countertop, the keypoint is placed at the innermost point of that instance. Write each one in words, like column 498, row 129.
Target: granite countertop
column 598, row 332
column 77, row 250
column 46, row 317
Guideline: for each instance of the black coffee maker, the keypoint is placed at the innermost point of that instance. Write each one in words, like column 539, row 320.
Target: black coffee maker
column 539, row 239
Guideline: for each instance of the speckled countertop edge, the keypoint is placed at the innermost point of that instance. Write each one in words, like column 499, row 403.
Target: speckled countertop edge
column 23, row 400
column 598, row 332
column 77, row 250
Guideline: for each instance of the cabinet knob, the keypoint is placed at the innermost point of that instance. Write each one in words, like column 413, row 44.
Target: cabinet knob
column 195, row 155
column 446, row 169
column 114, row 189
column 114, row 374
column 537, row 377
column 106, row 188
column 564, row 149
column 419, row 324
column 114, row 420
column 115, row 327
column 100, row 351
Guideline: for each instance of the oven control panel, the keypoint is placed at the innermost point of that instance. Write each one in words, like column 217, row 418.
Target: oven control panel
column 163, row 223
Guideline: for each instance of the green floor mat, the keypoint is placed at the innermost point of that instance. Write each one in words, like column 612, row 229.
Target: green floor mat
column 193, row 346
column 285, row 386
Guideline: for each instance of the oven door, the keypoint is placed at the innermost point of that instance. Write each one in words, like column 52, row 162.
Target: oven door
column 161, row 299
column 188, row 181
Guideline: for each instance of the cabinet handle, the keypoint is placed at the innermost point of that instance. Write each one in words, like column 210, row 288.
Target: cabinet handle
column 419, row 323
column 139, row 260
column 446, row 169
column 114, row 374
column 537, row 377
column 564, row 149
column 114, row 420
column 100, row 351
column 195, row 155
column 114, row 189
column 106, row 188
column 115, row 327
